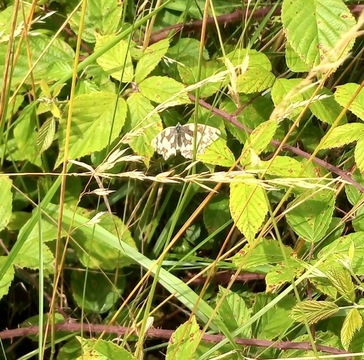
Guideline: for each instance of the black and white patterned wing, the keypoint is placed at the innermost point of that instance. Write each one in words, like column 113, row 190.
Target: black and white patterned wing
column 166, row 142
column 180, row 138
column 205, row 136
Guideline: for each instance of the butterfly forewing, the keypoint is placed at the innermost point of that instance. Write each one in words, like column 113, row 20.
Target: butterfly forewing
column 165, row 142
column 180, row 138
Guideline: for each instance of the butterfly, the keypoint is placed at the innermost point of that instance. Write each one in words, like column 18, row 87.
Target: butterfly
column 180, row 138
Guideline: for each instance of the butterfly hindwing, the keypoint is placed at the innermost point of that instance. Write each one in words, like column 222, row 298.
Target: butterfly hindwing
column 180, row 138
column 162, row 142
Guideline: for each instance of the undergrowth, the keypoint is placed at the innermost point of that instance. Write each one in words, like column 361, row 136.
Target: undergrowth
column 243, row 240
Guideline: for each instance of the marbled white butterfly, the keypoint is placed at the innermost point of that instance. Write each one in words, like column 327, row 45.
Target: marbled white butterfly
column 180, row 138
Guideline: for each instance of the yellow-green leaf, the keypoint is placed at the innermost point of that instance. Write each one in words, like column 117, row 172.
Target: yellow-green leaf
column 283, row 166
column 152, row 55
column 313, row 311
column 255, row 79
column 6, row 200
column 184, row 341
column 234, row 311
column 8, row 277
column 116, row 61
column 343, row 283
column 307, row 25
column 163, row 89
column 345, row 94
column 248, row 205
column 258, row 140
column 310, row 214
column 264, row 253
column 95, row 123
column 143, row 124
column 217, row 154
column 352, row 323
column 359, row 154
column 46, row 134
column 343, row 135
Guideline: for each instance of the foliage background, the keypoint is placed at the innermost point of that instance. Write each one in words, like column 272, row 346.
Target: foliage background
column 253, row 250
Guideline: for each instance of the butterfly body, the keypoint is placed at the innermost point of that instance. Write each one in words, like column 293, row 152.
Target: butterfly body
column 180, row 138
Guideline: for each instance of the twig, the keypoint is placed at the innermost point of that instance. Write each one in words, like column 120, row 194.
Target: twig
column 225, row 19
column 166, row 334
column 233, row 120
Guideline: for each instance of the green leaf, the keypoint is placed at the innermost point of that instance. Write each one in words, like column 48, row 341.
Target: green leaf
column 6, row 199
column 99, row 255
column 313, row 311
column 359, row 154
column 276, row 319
column 315, row 29
column 345, row 94
column 255, row 79
column 185, row 49
column 343, row 135
column 96, row 292
column 47, row 229
column 287, row 96
column 46, row 134
column 70, row 350
column 29, row 256
column 352, row 193
column 357, row 222
column 143, row 124
column 352, row 323
column 102, row 350
column 184, row 341
column 283, row 273
column 216, row 213
column 255, row 58
column 234, row 311
column 48, row 101
column 163, row 89
column 326, row 109
column 8, row 277
column 257, row 75
column 101, row 17
column 310, row 214
column 339, row 249
column 17, row 220
column 341, row 279
column 293, row 94
column 152, row 55
column 248, row 205
column 194, row 9
column 217, row 153
column 92, row 253
column 324, row 286
column 6, row 20
column 257, row 142
column 190, row 75
column 24, row 145
column 293, row 60
column 95, row 123
column 116, row 61
column 283, row 166
column 262, row 253
column 256, row 112
column 57, row 60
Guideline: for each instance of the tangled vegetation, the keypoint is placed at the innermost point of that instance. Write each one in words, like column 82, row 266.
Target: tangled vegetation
column 181, row 179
